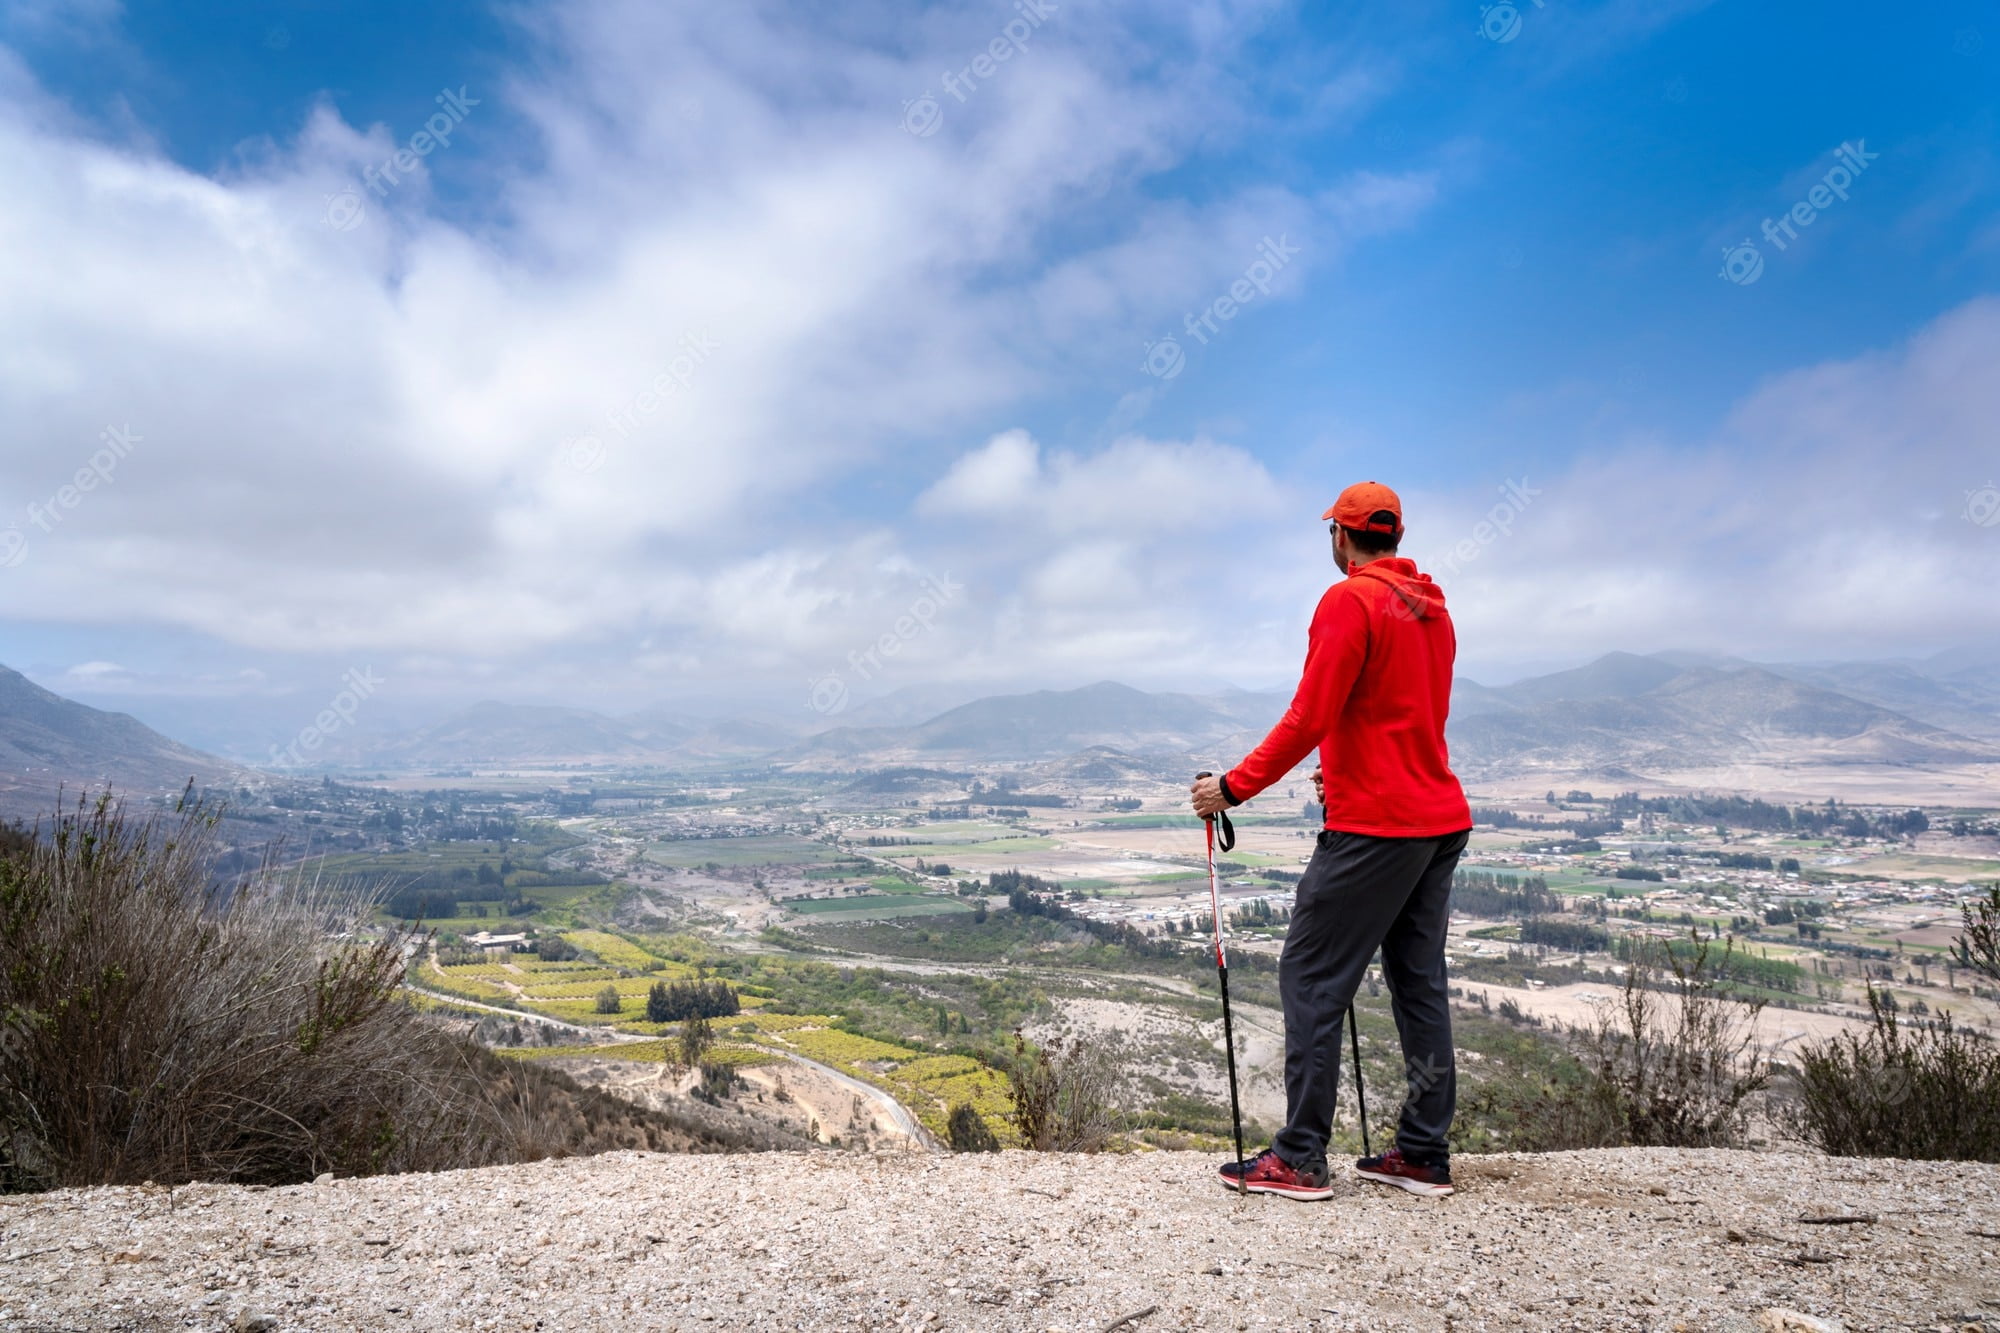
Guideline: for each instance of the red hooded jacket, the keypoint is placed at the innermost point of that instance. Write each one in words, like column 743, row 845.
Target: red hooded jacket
column 1373, row 698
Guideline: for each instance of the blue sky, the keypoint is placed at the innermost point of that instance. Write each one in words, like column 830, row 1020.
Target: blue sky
column 397, row 440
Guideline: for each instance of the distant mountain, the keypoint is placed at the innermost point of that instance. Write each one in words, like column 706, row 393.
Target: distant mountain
column 903, row 707
column 46, row 739
column 1024, row 727
column 1622, row 715
column 1619, row 716
column 1612, row 676
column 1653, row 714
column 490, row 732
column 1960, row 699
column 1102, row 763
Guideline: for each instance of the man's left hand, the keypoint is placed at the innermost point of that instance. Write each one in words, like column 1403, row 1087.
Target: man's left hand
column 1207, row 793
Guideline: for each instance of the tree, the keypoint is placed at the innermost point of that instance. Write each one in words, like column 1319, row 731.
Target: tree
column 968, row 1131
column 607, row 1000
column 696, row 1039
column 1979, row 947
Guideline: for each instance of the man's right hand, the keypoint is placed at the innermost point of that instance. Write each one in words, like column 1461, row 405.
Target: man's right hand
column 1207, row 794
column 1319, row 785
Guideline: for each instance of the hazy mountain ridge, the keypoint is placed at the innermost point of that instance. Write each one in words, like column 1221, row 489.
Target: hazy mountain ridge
column 1698, row 717
column 47, row 740
column 1623, row 713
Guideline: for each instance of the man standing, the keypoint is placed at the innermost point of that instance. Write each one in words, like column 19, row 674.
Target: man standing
column 1372, row 699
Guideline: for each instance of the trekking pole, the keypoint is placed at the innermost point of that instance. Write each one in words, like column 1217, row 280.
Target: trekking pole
column 1360, row 1093
column 1222, row 975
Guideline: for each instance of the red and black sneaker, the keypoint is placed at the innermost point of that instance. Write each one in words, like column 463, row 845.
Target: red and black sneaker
column 1268, row 1173
column 1392, row 1169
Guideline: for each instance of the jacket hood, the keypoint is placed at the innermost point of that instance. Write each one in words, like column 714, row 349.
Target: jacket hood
column 1412, row 592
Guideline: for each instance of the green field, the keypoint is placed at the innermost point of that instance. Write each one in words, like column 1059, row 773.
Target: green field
column 734, row 852
column 946, row 851
column 876, row 906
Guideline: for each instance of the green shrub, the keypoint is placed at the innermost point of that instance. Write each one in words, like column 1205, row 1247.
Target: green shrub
column 1922, row 1089
column 969, row 1132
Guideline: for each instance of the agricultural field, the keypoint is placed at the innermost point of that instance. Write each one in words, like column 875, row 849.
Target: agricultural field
column 877, row 906
column 780, row 850
column 919, row 992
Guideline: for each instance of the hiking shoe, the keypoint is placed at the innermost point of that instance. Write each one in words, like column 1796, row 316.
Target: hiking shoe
column 1268, row 1173
column 1391, row 1168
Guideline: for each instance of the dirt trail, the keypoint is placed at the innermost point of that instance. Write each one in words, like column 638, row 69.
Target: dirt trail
column 1634, row 1239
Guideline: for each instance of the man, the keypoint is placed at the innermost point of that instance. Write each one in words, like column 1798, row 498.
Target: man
column 1372, row 699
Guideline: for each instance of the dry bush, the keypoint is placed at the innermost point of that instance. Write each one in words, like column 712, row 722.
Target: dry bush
column 1979, row 947
column 156, row 1025
column 1927, row 1090
column 1673, row 1064
column 1064, row 1095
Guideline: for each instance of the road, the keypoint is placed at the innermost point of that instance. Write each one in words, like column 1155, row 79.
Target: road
column 598, row 1036
column 900, row 1115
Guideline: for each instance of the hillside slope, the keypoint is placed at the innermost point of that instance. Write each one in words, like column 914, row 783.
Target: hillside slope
column 1627, row 1239
column 46, row 740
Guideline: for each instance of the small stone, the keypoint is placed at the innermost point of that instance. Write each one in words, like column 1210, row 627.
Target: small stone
column 1779, row 1320
column 252, row 1322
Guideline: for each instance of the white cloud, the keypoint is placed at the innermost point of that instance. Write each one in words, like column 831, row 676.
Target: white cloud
column 354, row 440
column 1134, row 485
column 1825, row 517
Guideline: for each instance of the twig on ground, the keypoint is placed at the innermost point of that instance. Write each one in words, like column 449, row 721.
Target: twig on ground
column 1837, row 1219
column 1804, row 1257
column 1132, row 1318
column 19, row 1255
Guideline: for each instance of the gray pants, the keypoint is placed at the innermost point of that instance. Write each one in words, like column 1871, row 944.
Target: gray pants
column 1358, row 894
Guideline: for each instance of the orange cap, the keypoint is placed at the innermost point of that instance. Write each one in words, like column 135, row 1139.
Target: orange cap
column 1362, row 505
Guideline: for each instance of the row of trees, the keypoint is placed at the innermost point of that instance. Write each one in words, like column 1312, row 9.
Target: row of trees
column 1585, row 827
column 677, row 1001
column 1031, row 895
column 1483, row 893
column 1749, row 812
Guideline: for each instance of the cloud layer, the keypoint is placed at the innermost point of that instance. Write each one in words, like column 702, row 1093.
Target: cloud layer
column 723, row 342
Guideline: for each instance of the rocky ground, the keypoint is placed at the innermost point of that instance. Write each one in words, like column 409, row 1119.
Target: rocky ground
column 1628, row 1239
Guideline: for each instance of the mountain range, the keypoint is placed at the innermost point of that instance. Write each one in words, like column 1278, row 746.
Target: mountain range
column 1622, row 716
column 47, row 740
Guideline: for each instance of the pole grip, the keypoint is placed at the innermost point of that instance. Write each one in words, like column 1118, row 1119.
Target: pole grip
column 1225, row 832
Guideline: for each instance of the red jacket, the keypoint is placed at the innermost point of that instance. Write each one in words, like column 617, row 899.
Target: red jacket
column 1373, row 698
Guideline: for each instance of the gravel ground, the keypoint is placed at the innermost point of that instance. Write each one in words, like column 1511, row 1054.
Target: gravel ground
column 1631, row 1239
